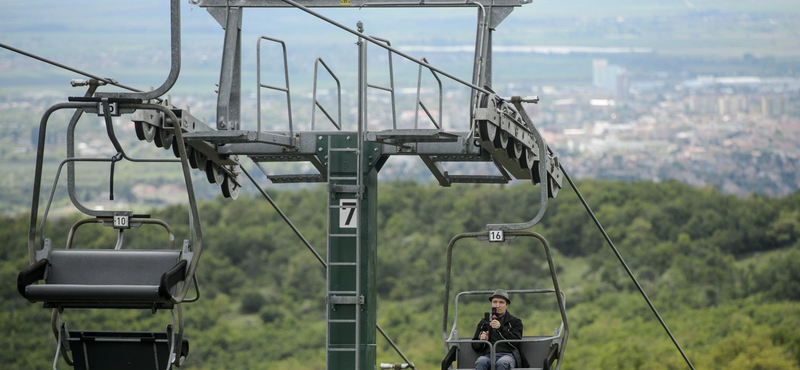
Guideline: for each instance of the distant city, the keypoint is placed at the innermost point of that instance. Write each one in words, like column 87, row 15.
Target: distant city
column 739, row 134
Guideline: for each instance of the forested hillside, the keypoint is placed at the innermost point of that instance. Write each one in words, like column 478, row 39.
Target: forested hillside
column 723, row 271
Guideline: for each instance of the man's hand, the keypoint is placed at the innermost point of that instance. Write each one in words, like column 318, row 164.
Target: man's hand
column 495, row 324
column 484, row 335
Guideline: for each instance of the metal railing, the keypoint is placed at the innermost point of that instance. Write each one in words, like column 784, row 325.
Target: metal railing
column 454, row 328
column 316, row 103
column 283, row 89
column 390, row 89
column 419, row 102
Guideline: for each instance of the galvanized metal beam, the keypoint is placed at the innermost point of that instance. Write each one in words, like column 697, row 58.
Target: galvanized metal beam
column 358, row 3
column 230, row 77
column 461, row 148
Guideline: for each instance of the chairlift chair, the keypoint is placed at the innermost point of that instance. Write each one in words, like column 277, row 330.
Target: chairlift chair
column 541, row 352
column 113, row 278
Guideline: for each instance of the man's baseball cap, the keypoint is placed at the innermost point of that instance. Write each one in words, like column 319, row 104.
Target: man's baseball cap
column 502, row 294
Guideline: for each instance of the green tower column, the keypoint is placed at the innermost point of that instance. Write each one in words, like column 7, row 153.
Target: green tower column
column 342, row 310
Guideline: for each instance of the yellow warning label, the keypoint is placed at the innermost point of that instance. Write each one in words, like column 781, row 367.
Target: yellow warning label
column 345, row 2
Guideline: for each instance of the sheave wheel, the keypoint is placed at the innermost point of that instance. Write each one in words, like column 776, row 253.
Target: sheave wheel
column 229, row 188
column 166, row 137
column 501, row 140
column 201, row 159
column 535, row 178
column 528, row 159
column 176, row 149
column 210, row 172
column 552, row 189
column 488, row 131
column 191, row 156
column 149, row 132
column 139, row 130
column 157, row 138
column 214, row 174
column 515, row 149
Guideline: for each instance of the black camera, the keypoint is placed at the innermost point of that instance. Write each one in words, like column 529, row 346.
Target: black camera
column 489, row 316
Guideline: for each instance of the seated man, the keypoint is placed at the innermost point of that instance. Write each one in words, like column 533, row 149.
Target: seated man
column 502, row 326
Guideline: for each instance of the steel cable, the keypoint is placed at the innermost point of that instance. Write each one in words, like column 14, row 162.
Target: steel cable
column 625, row 265
column 109, row 81
column 314, row 251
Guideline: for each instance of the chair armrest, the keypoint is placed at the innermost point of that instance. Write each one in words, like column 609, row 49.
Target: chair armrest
column 171, row 278
column 31, row 275
column 551, row 357
column 449, row 358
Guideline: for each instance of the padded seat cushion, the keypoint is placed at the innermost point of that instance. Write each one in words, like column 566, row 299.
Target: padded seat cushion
column 106, row 293
column 81, row 275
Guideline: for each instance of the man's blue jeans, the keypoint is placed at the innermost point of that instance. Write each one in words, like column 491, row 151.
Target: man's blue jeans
column 504, row 361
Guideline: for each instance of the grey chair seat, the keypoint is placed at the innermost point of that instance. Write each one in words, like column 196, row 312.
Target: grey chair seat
column 98, row 278
column 537, row 353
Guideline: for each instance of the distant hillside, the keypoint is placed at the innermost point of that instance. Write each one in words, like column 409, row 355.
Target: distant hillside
column 724, row 272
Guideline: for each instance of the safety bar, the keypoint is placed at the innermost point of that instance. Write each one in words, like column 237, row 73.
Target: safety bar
column 390, row 89
column 175, row 64
column 545, row 245
column 80, row 206
column 316, row 104
column 133, row 223
column 474, row 292
column 117, row 146
column 419, row 103
column 285, row 90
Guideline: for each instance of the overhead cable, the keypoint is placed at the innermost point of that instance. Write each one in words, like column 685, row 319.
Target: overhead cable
column 627, row 269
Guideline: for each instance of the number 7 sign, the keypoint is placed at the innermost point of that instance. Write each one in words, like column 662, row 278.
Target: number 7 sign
column 348, row 213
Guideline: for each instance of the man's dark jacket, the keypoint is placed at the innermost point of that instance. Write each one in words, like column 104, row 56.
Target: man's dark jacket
column 510, row 328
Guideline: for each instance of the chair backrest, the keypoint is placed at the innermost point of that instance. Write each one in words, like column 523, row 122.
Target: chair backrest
column 110, row 267
column 535, row 352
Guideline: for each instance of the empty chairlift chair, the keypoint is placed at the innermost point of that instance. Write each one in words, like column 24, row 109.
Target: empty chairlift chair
column 112, row 278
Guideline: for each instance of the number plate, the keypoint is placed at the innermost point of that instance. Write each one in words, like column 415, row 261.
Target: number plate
column 348, row 213
column 497, row 236
column 121, row 222
column 113, row 107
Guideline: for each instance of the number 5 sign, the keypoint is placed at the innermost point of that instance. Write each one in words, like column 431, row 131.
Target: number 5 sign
column 348, row 213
